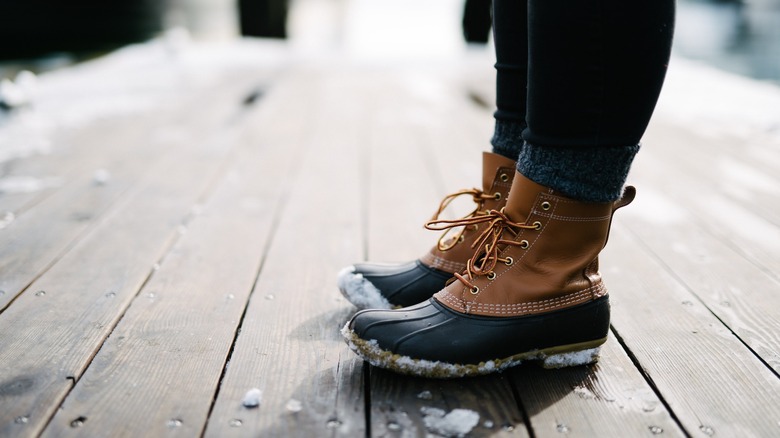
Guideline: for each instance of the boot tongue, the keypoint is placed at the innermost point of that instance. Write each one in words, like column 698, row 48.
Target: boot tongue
column 491, row 163
column 522, row 196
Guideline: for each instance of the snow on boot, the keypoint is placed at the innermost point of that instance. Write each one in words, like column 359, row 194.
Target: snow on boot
column 384, row 286
column 531, row 291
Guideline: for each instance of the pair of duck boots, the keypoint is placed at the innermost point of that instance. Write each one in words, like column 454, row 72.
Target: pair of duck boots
column 516, row 279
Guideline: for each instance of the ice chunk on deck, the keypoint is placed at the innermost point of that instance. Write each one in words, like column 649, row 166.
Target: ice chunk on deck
column 252, row 398
column 456, row 423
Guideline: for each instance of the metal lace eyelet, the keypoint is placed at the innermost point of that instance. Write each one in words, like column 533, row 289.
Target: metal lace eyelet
column 475, row 227
column 504, row 177
column 537, row 225
column 474, row 290
column 491, row 275
column 524, row 244
column 546, row 205
column 461, row 238
column 509, row 261
column 497, row 196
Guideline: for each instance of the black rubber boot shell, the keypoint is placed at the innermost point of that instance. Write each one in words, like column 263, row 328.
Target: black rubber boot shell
column 432, row 340
column 390, row 285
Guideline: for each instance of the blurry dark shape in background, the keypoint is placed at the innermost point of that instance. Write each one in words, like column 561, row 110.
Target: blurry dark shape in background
column 741, row 36
column 477, row 21
column 263, row 18
column 30, row 28
column 33, row 28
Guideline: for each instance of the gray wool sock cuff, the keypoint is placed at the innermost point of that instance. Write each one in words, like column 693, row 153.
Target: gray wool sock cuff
column 585, row 173
column 508, row 138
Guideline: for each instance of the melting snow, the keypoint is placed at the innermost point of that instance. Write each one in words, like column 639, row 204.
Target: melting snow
column 127, row 81
column 101, row 177
column 26, row 184
column 574, row 358
column 19, row 92
column 456, row 423
column 294, row 405
column 425, row 395
column 252, row 398
column 7, row 218
column 360, row 291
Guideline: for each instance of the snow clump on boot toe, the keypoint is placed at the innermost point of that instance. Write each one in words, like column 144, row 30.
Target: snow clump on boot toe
column 359, row 291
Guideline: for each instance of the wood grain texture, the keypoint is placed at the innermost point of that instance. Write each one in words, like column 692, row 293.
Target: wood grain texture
column 35, row 239
column 608, row 399
column 400, row 405
column 78, row 150
column 741, row 165
column 722, row 204
column 711, row 258
column 289, row 344
column 52, row 333
column 250, row 219
column 712, row 383
column 161, row 365
column 402, row 186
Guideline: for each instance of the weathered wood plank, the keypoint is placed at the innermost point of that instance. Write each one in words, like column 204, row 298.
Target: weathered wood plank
column 740, row 223
column 75, row 151
column 35, row 240
column 725, row 165
column 403, row 406
column 712, row 261
column 671, row 264
column 211, row 271
column 609, row 399
column 289, row 346
column 712, row 383
column 53, row 333
column 50, row 336
column 402, row 191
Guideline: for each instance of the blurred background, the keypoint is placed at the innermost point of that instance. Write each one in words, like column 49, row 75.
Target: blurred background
column 738, row 36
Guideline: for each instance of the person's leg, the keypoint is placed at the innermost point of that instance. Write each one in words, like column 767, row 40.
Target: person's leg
column 532, row 289
column 595, row 73
column 510, row 36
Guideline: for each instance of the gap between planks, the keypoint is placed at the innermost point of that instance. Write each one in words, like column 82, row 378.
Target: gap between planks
column 165, row 198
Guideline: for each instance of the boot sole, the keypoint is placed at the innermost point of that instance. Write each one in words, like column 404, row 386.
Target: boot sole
column 561, row 356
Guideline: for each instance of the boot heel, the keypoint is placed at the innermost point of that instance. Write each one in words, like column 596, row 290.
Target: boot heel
column 572, row 358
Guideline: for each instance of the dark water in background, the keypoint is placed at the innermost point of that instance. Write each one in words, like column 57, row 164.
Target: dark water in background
column 738, row 36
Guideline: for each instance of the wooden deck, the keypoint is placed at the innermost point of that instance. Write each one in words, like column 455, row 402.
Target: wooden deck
column 159, row 261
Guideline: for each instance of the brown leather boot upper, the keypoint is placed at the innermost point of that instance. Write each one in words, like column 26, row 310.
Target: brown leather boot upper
column 451, row 252
column 539, row 255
